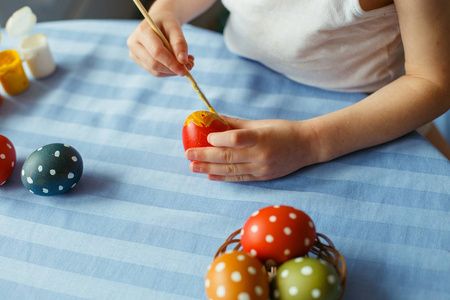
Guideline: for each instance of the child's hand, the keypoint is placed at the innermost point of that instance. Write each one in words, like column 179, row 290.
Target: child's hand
column 255, row 150
column 148, row 51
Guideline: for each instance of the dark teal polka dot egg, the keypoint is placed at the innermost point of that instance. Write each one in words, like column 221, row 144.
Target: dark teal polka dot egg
column 52, row 169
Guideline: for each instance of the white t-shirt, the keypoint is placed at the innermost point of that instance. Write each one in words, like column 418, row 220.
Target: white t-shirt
column 330, row 44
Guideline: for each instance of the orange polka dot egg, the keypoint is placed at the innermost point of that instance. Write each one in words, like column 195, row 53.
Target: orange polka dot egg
column 278, row 233
column 237, row 275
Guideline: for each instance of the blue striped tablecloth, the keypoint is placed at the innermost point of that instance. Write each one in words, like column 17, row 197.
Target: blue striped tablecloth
column 140, row 225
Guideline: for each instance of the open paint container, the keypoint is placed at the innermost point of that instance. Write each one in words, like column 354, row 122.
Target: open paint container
column 12, row 75
column 34, row 48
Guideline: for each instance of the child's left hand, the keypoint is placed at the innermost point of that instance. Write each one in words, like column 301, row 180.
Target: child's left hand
column 256, row 150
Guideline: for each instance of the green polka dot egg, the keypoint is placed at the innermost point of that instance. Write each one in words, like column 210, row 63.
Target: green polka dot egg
column 306, row 278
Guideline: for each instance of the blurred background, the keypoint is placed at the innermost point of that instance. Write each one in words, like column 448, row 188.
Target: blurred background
column 53, row 10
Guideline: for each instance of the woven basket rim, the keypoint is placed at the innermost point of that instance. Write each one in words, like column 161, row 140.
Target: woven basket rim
column 323, row 248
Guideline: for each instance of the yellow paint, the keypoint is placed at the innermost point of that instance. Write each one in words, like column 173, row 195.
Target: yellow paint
column 12, row 75
column 203, row 97
column 203, row 118
column 6, row 60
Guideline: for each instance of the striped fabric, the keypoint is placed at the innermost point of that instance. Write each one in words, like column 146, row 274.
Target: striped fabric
column 140, row 225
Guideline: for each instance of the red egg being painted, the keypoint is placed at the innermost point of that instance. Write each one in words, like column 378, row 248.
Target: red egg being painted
column 278, row 233
column 197, row 127
column 7, row 159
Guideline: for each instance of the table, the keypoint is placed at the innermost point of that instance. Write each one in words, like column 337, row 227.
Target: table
column 140, row 225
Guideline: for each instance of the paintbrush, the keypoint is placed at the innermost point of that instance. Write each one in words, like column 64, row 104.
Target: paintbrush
column 166, row 43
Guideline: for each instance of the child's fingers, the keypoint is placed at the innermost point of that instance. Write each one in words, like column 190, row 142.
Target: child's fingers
column 221, row 169
column 157, row 52
column 160, row 53
column 142, row 43
column 233, row 138
column 234, row 178
column 177, row 42
column 218, row 155
column 190, row 64
column 140, row 55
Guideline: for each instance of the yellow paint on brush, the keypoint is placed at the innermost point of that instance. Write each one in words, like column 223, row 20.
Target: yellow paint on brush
column 203, row 97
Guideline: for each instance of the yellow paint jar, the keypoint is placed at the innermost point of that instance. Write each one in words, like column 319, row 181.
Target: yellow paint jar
column 12, row 75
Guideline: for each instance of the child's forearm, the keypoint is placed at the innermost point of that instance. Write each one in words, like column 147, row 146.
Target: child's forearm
column 185, row 10
column 400, row 107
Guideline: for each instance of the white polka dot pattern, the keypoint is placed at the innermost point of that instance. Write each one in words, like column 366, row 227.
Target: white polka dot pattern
column 220, row 266
column 236, row 276
column 306, row 270
column 293, row 290
column 221, row 292
column 243, row 296
column 315, row 293
column 269, row 238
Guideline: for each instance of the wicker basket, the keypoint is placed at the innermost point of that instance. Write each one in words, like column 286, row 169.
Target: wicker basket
column 323, row 248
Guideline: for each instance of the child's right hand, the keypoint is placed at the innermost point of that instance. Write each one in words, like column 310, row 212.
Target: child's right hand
column 148, row 51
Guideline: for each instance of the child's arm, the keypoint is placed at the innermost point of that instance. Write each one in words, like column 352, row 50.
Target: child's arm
column 266, row 149
column 147, row 50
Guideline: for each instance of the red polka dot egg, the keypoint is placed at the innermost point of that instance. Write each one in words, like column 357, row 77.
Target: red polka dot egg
column 278, row 233
column 237, row 275
column 7, row 159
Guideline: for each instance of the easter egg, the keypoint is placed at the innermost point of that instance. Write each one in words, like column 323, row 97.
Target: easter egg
column 52, row 169
column 278, row 233
column 197, row 127
column 306, row 278
column 7, row 159
column 237, row 275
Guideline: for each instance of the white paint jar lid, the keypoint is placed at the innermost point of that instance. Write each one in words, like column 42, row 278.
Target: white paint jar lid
column 21, row 23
